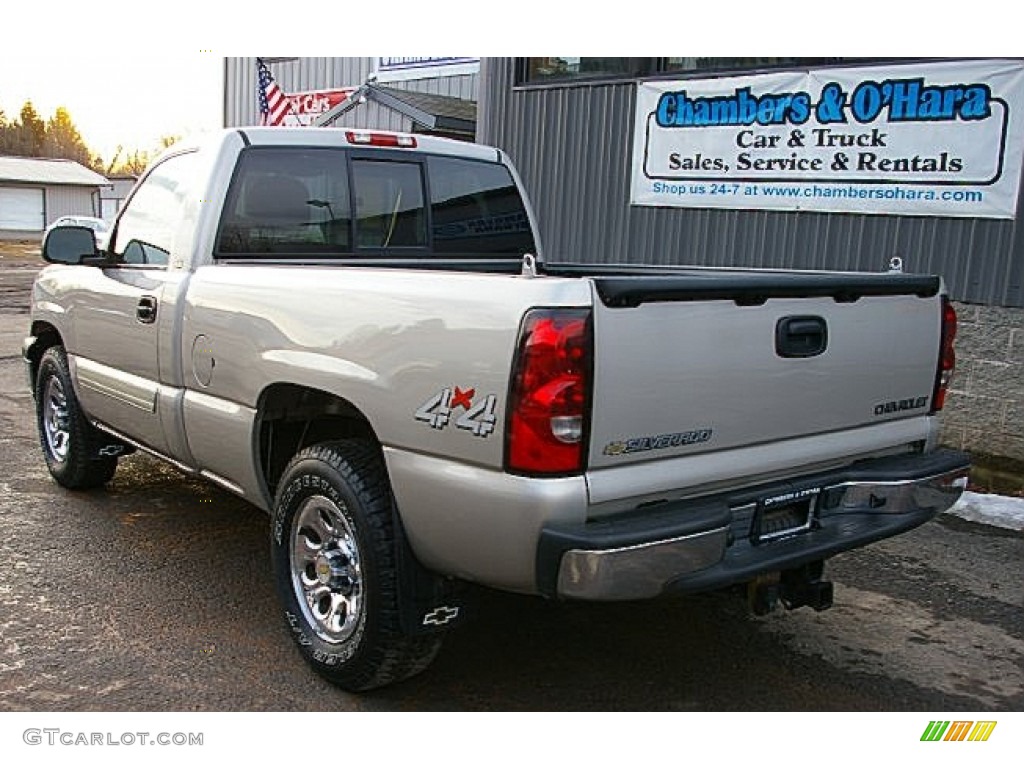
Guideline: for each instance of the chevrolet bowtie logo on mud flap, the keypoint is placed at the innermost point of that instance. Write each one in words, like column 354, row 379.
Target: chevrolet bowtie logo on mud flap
column 440, row 616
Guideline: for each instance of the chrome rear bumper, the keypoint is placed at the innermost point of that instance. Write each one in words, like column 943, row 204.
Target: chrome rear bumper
column 710, row 543
column 643, row 570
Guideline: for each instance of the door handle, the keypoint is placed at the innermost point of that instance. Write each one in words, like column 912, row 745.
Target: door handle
column 145, row 312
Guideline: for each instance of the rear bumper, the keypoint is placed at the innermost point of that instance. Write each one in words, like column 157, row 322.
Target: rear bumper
column 705, row 544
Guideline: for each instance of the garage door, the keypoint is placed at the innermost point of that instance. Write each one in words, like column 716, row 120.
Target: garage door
column 21, row 209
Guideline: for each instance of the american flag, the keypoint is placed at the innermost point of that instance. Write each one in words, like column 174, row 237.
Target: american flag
column 273, row 103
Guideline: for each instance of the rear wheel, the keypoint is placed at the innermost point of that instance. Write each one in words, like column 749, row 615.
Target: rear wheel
column 67, row 438
column 335, row 565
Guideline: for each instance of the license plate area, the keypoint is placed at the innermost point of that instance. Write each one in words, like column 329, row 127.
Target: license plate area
column 782, row 515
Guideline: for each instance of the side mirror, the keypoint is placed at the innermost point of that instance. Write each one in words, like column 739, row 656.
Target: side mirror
column 70, row 245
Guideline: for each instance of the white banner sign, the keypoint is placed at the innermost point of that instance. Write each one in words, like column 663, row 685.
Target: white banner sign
column 940, row 139
column 393, row 68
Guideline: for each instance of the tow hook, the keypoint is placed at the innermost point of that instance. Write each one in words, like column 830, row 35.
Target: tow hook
column 794, row 588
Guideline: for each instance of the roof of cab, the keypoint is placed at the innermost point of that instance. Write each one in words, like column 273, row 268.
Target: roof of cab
column 325, row 137
column 338, row 137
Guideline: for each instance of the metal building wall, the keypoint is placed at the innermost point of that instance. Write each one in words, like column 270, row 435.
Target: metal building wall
column 70, row 201
column 572, row 146
column 113, row 197
column 319, row 73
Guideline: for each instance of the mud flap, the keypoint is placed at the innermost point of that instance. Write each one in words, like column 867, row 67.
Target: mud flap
column 428, row 603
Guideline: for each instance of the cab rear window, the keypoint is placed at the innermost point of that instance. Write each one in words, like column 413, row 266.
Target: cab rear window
column 476, row 209
column 389, row 205
column 292, row 201
column 287, row 201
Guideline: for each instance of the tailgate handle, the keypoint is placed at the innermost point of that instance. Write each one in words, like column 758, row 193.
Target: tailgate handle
column 801, row 336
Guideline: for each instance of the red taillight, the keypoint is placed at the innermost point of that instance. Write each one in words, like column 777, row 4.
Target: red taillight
column 374, row 139
column 549, row 404
column 947, row 357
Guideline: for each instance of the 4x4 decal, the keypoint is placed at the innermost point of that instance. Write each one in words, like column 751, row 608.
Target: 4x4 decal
column 440, row 408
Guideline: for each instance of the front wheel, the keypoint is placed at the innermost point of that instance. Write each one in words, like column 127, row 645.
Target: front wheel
column 67, row 438
column 335, row 566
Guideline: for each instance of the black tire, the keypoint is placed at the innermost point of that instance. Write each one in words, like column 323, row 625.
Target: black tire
column 333, row 551
column 68, row 440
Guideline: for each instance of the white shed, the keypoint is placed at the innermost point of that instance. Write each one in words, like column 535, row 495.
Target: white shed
column 34, row 192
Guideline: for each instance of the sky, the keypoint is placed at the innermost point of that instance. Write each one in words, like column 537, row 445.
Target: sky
column 129, row 104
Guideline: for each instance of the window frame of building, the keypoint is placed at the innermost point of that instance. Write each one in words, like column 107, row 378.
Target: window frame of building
column 632, row 69
column 724, row 65
column 654, row 68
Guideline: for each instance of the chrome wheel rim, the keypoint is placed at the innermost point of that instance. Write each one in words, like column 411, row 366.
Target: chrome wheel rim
column 55, row 419
column 326, row 570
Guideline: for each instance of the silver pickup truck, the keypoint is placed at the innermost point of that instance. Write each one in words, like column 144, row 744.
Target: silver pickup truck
column 359, row 333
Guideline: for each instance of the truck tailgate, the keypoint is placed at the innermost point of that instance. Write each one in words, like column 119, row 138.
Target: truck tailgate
column 687, row 365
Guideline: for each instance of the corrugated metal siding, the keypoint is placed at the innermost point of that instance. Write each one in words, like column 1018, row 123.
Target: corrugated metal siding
column 71, row 201
column 319, row 73
column 572, row 147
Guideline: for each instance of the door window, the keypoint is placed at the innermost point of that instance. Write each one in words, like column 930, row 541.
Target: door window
column 149, row 223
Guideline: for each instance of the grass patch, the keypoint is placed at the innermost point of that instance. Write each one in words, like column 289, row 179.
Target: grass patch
column 997, row 474
column 20, row 250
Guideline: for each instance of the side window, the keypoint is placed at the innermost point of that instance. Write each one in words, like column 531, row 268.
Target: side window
column 389, row 204
column 287, row 201
column 476, row 209
column 146, row 229
column 545, row 68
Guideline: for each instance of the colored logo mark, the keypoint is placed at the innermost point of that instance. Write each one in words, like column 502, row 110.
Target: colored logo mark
column 958, row 730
